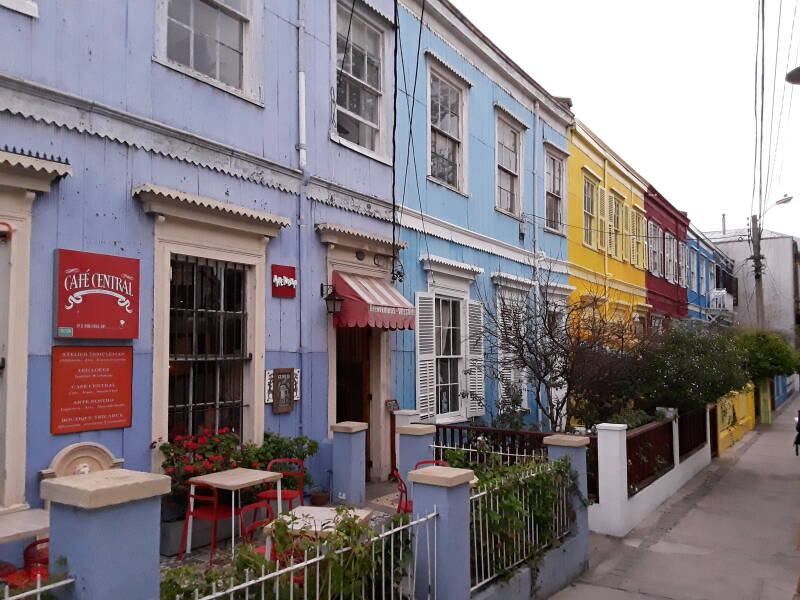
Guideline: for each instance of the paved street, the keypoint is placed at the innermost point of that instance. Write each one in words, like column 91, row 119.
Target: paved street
column 733, row 532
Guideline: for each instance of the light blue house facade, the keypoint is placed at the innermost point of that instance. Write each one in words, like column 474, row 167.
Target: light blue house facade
column 712, row 286
column 481, row 192
column 211, row 140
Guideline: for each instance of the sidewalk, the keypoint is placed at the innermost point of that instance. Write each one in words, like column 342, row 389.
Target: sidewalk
column 733, row 532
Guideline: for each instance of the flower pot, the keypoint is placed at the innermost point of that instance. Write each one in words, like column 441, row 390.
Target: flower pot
column 171, row 531
column 320, row 498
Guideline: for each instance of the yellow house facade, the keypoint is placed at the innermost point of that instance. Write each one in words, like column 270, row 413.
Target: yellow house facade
column 607, row 226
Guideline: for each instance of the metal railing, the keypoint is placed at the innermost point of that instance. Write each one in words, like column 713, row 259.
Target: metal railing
column 720, row 299
column 511, row 445
column 691, row 432
column 494, row 552
column 650, row 454
column 39, row 591
column 394, row 555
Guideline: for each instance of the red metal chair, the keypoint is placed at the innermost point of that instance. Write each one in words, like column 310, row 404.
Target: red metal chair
column 206, row 508
column 286, row 495
column 248, row 530
column 404, row 505
column 437, row 463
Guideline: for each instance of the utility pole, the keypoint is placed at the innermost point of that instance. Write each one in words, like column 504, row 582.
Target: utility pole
column 758, row 267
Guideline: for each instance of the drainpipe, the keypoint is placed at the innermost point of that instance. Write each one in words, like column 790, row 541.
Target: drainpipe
column 302, row 203
column 536, row 140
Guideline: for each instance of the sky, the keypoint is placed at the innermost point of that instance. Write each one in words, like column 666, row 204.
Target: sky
column 669, row 85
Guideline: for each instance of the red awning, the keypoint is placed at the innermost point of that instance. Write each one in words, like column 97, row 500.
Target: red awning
column 371, row 302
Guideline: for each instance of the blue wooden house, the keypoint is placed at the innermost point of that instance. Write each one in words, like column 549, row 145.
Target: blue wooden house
column 712, row 291
column 240, row 150
column 481, row 194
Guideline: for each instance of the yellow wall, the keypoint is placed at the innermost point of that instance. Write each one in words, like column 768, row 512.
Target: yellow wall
column 593, row 269
column 736, row 415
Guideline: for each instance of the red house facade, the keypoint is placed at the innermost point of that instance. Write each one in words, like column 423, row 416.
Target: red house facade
column 666, row 277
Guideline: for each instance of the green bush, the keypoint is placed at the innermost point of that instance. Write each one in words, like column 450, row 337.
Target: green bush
column 687, row 367
column 766, row 355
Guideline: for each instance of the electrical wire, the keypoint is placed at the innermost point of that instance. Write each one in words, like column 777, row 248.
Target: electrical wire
column 772, row 107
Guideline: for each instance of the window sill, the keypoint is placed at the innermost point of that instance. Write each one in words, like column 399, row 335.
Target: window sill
column 509, row 214
column 554, row 231
column 433, row 179
column 360, row 149
column 208, row 80
column 449, row 419
column 29, row 8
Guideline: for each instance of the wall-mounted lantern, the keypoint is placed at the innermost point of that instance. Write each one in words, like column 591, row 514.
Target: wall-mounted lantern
column 333, row 301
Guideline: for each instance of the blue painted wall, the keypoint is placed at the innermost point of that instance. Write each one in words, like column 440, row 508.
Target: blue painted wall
column 93, row 210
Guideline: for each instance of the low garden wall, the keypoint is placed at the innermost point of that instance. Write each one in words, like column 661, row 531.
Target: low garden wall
column 736, row 415
column 641, row 468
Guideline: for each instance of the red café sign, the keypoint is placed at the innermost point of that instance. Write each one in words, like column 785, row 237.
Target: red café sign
column 97, row 296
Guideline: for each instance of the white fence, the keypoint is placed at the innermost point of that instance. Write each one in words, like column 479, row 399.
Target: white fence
column 40, row 591
column 394, row 572
column 493, row 552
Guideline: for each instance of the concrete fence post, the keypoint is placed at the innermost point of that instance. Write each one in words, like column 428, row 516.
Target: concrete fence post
column 104, row 532
column 416, row 443
column 564, row 563
column 444, row 556
column 348, row 485
column 612, row 478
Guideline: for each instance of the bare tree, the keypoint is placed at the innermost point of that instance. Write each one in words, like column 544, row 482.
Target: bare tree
column 573, row 356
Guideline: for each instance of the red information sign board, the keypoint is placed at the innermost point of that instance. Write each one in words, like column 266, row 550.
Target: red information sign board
column 97, row 296
column 284, row 281
column 91, row 388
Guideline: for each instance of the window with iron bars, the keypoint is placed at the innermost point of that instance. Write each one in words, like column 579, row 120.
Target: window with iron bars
column 208, row 351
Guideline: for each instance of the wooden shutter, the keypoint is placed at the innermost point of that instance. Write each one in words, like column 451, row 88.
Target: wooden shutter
column 626, row 231
column 426, row 355
column 644, row 247
column 476, row 387
column 601, row 219
column 612, row 246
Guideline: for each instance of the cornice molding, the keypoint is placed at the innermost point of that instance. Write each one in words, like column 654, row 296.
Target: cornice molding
column 23, row 98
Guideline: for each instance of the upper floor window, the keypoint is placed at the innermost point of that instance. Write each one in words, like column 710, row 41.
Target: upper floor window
column 682, row 264
column 446, row 124
column 669, row 257
column 615, row 226
column 359, row 78
column 508, row 166
column 656, row 240
column 207, row 36
column 692, row 270
column 589, row 210
column 638, row 240
column 554, row 184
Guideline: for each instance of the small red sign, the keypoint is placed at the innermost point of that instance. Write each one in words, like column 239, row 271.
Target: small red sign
column 97, row 296
column 284, row 281
column 91, row 388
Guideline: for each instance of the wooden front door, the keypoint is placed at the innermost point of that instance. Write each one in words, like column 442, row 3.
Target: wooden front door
column 352, row 378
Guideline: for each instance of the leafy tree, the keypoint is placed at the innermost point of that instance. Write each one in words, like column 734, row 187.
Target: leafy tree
column 766, row 355
column 686, row 367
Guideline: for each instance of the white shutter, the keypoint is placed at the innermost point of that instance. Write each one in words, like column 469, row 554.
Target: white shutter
column 626, row 230
column 426, row 355
column 476, row 387
column 602, row 219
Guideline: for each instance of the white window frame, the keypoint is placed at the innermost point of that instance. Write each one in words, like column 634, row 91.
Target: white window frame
column 681, row 263
column 693, row 269
column 452, row 280
column 382, row 153
column 194, row 230
column 460, row 413
column 519, row 131
column 435, row 68
column 669, row 257
column 703, row 281
column 253, row 48
column 561, row 158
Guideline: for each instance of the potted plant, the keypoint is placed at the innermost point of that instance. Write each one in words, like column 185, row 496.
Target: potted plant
column 319, row 497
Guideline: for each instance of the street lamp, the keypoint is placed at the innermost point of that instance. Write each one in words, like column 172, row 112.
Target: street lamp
column 793, row 76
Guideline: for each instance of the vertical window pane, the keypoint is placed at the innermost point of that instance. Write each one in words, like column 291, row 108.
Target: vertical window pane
column 230, row 32
column 230, row 66
column 180, row 10
column 205, row 55
column 205, row 19
column 178, row 43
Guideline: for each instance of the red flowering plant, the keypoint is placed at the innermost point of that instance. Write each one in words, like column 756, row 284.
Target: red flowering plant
column 188, row 456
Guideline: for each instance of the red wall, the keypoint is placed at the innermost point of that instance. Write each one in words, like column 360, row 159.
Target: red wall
column 666, row 298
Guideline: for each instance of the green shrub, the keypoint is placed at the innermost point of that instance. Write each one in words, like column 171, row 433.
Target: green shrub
column 766, row 355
